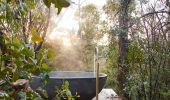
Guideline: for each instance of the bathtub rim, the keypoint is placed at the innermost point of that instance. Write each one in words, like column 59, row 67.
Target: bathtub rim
column 101, row 75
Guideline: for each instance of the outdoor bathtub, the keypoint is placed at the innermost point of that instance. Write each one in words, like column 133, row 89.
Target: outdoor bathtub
column 84, row 83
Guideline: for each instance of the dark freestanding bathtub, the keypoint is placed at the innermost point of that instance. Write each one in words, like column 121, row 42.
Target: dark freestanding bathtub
column 82, row 82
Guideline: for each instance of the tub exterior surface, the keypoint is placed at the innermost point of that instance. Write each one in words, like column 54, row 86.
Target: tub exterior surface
column 84, row 83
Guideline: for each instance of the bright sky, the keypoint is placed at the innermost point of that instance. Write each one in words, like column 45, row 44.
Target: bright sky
column 66, row 22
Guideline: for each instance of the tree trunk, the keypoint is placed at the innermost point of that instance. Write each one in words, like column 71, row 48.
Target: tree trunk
column 123, row 47
column 168, row 28
column 168, row 32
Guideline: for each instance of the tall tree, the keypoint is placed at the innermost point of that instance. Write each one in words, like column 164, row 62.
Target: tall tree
column 123, row 46
column 143, row 65
column 168, row 28
column 89, row 28
column 89, row 22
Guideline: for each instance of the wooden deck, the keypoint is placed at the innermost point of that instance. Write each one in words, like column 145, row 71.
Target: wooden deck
column 107, row 94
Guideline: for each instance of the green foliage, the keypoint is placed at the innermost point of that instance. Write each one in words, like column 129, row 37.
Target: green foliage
column 148, row 72
column 18, row 63
column 63, row 92
column 58, row 4
column 111, row 63
column 36, row 38
column 111, row 7
column 18, row 59
column 89, row 23
column 88, row 53
column 89, row 32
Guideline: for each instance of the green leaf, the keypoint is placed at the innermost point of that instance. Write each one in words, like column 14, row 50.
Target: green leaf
column 2, row 82
column 66, row 85
column 16, row 43
column 22, row 95
column 8, row 1
column 42, row 92
column 44, row 65
column 44, row 76
column 38, row 98
column 63, row 3
column 27, row 52
column 46, row 68
column 34, row 61
column 60, row 4
column 3, row 94
column 19, row 63
column 30, row 67
column 30, row 4
column 24, row 74
column 2, row 17
column 50, row 54
column 59, row 8
column 68, row 93
column 15, row 77
column 36, row 37
column 47, row 3
column 23, row 8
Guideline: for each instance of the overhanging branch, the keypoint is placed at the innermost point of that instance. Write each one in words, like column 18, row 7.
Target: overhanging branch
column 155, row 12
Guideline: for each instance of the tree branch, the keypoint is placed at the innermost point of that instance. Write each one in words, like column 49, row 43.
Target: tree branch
column 156, row 12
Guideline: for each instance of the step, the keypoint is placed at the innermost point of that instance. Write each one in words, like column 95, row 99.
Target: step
column 107, row 94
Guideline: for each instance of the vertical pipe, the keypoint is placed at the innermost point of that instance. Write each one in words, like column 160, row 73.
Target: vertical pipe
column 94, row 67
column 97, row 73
column 97, row 81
